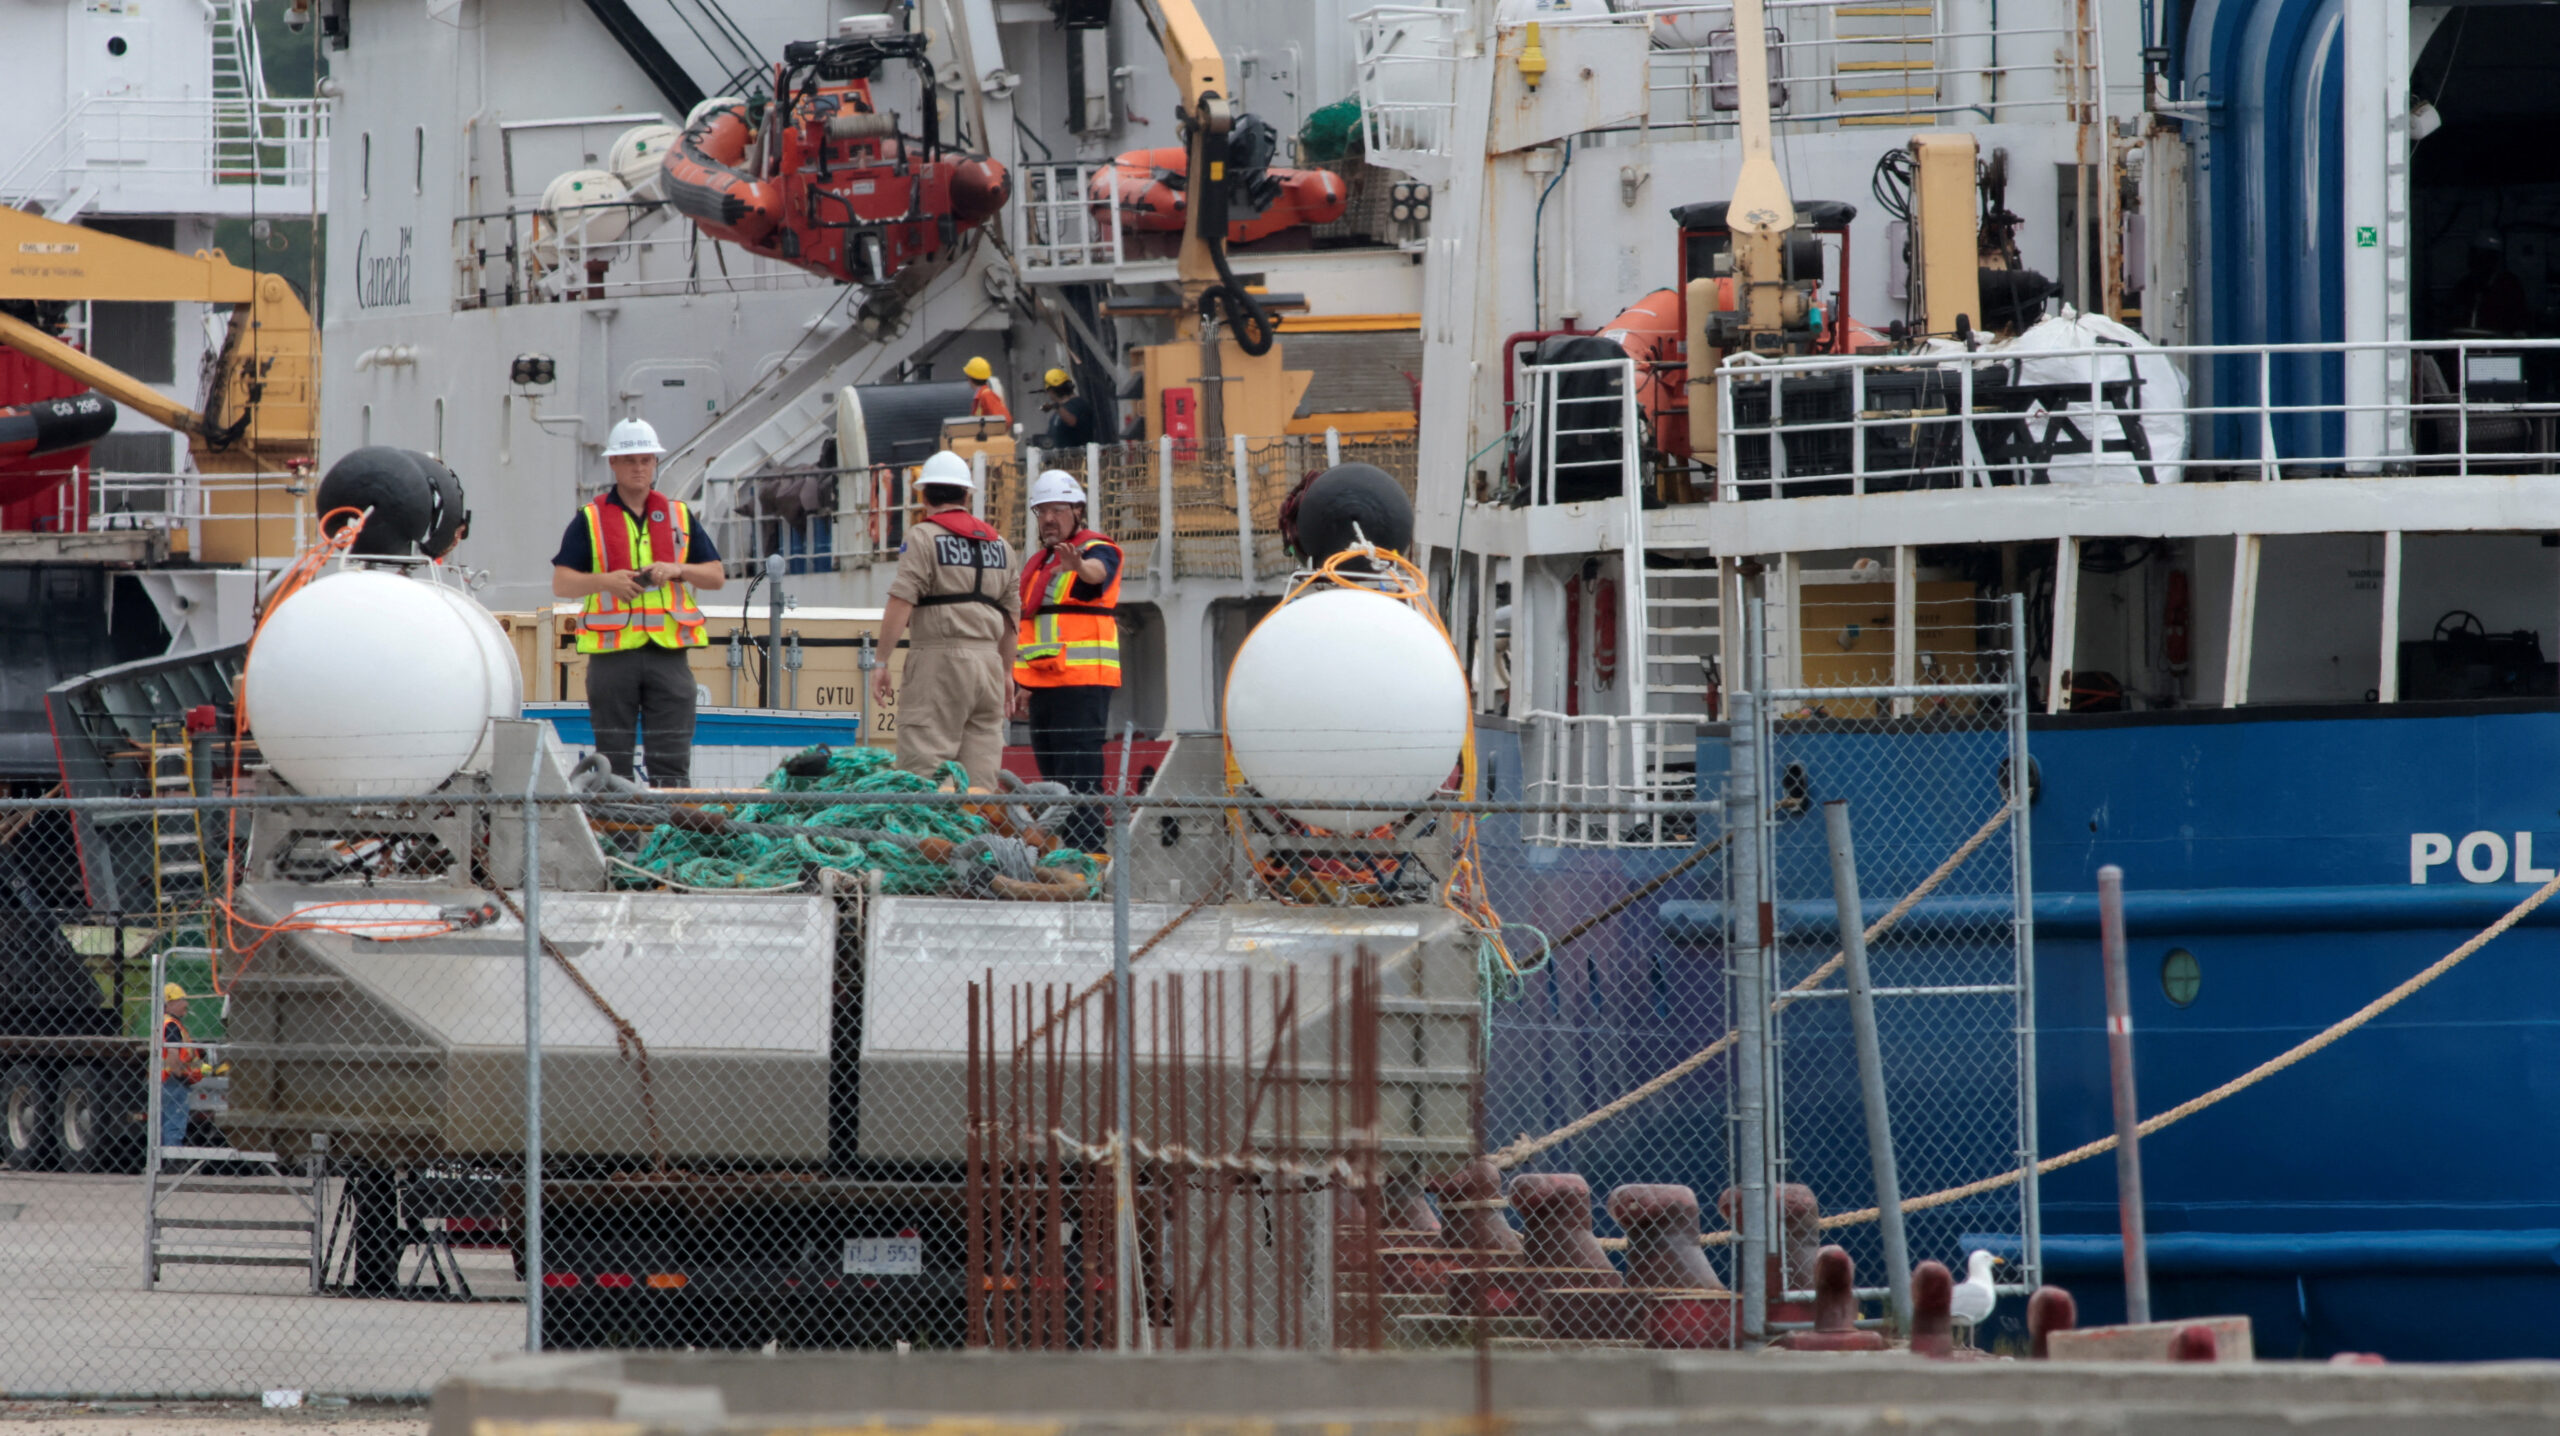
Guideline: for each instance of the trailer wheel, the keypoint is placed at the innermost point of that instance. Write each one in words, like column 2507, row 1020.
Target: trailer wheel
column 87, row 1137
column 26, row 1118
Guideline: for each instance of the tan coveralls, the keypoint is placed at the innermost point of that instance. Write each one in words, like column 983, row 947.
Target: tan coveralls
column 952, row 698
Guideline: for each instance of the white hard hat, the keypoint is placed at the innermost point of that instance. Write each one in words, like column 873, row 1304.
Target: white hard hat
column 946, row 467
column 1056, row 486
column 632, row 436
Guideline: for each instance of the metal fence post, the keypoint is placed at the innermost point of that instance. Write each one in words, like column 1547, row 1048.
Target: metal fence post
column 1124, row 1197
column 2023, row 939
column 533, row 1272
column 1745, row 917
column 2128, row 1113
column 1862, row 1020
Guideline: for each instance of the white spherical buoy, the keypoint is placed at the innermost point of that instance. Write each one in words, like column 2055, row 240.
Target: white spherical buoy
column 1346, row 694
column 368, row 684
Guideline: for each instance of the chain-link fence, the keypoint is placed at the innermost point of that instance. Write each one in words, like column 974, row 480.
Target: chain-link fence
column 856, row 1060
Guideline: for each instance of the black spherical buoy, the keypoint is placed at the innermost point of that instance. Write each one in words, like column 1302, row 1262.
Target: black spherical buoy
column 1350, row 502
column 452, row 516
column 416, row 501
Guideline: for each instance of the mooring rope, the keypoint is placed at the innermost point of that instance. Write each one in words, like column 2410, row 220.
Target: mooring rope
column 1527, row 1147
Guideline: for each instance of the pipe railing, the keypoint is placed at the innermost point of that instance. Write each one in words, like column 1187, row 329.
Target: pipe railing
column 2109, row 413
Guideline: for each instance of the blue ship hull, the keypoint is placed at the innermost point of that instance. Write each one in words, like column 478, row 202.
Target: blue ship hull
column 2394, row 1192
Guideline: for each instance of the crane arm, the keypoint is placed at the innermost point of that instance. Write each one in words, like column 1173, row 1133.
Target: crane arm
column 1762, row 211
column 1208, row 116
column 267, row 353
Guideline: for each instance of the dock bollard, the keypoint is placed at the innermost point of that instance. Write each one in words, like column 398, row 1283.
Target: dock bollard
column 2049, row 1309
column 1835, row 1309
column 1661, row 1223
column 2194, row 1343
column 1555, row 1227
column 1933, row 1330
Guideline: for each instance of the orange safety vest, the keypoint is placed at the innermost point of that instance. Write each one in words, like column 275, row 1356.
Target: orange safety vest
column 988, row 404
column 616, row 543
column 1065, row 641
column 177, row 1055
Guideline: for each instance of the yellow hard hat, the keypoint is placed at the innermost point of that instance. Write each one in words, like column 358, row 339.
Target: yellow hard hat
column 173, row 993
column 978, row 369
column 1056, row 378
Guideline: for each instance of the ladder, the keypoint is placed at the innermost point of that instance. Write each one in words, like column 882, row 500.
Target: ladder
column 1885, row 71
column 178, row 880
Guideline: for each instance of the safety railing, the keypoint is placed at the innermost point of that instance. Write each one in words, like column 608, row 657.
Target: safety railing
column 189, row 155
column 1407, row 71
column 1840, row 63
column 1633, row 773
column 619, row 250
column 1178, row 510
column 1060, row 235
column 253, row 510
column 2111, row 413
column 1575, row 431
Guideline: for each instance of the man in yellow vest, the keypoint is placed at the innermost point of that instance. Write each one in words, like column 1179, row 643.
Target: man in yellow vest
column 636, row 557
column 1067, row 657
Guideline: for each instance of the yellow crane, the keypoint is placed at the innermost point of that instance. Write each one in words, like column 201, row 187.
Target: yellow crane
column 1243, row 388
column 261, row 406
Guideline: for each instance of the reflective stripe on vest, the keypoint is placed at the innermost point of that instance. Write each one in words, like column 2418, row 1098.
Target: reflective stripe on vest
column 617, row 542
column 1064, row 641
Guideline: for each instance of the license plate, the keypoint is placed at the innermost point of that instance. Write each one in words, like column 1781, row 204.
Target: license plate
column 884, row 1256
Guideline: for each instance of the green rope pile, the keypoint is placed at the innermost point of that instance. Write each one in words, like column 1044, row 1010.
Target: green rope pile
column 773, row 860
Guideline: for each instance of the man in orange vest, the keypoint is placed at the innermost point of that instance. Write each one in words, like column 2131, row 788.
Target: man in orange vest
column 986, row 401
column 636, row 557
column 1067, row 657
column 180, row 1066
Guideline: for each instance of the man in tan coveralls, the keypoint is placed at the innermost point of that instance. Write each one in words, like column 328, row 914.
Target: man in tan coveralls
column 955, row 582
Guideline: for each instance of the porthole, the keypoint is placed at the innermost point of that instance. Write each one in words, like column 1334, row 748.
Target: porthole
column 2180, row 976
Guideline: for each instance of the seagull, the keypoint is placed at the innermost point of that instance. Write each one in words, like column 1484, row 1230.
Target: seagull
column 1973, row 1298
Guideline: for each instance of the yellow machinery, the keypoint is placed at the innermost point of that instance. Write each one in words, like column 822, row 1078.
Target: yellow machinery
column 1759, row 308
column 1946, row 257
column 1237, row 379
column 261, row 407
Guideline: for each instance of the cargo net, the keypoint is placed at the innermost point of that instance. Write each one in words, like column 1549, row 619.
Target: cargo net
column 837, row 1063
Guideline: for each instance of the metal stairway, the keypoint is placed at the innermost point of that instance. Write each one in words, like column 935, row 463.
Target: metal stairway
column 1885, row 72
column 201, row 1209
column 239, row 82
column 202, row 1212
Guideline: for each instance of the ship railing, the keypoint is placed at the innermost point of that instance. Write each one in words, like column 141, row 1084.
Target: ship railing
column 184, row 154
column 1059, row 233
column 1178, row 510
column 1569, row 438
column 221, row 513
column 1844, row 63
column 2113, row 414
column 1598, row 779
column 617, row 250
column 1407, row 76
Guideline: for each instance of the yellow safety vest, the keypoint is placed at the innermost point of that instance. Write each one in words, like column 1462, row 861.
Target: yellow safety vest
column 617, row 542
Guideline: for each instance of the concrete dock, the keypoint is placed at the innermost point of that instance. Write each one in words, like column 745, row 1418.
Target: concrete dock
column 1550, row 1393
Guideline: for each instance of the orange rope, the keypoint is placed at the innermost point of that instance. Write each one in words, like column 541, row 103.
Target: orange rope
column 306, row 566
column 1398, row 578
